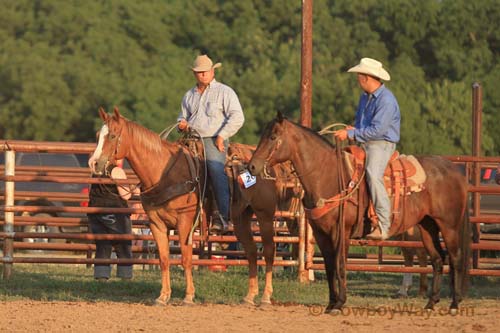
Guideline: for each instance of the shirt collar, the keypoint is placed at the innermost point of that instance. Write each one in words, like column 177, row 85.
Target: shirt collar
column 213, row 82
column 377, row 92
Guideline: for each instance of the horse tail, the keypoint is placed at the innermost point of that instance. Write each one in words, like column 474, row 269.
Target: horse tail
column 465, row 249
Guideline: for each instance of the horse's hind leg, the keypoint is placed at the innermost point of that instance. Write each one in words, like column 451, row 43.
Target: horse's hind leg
column 407, row 277
column 161, row 238
column 267, row 232
column 243, row 231
column 430, row 237
column 422, row 261
column 457, row 269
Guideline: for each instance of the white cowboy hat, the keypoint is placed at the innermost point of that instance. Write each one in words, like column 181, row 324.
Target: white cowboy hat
column 203, row 63
column 371, row 67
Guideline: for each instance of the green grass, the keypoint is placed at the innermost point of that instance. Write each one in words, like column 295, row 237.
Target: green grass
column 76, row 283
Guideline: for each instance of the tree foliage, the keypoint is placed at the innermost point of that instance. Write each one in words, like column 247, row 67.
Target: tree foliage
column 60, row 60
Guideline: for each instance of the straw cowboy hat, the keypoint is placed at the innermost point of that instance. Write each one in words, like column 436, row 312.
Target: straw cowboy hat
column 203, row 63
column 371, row 67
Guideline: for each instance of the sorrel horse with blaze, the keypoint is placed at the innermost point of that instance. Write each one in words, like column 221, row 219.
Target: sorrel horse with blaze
column 440, row 207
column 171, row 182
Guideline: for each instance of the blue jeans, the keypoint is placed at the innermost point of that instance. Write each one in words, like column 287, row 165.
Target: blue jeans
column 111, row 224
column 215, row 164
column 378, row 154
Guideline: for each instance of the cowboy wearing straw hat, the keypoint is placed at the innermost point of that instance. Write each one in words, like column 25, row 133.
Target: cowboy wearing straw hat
column 213, row 110
column 377, row 128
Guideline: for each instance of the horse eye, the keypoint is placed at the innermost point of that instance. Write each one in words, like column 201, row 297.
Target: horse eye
column 273, row 137
column 112, row 136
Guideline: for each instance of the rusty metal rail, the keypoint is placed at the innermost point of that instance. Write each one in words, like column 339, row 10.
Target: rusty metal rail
column 81, row 175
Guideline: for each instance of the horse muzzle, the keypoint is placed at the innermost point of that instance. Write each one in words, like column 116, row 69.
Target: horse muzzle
column 255, row 167
column 99, row 167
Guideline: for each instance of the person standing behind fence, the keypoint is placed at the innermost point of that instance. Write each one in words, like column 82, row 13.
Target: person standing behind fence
column 111, row 195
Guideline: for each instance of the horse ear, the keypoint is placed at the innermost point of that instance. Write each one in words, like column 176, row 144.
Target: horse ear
column 280, row 116
column 116, row 113
column 103, row 114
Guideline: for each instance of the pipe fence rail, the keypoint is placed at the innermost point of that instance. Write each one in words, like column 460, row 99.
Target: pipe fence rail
column 21, row 246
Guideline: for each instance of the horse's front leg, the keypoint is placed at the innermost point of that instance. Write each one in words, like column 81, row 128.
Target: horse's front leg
column 325, row 245
column 161, row 238
column 342, row 272
column 243, row 231
column 267, row 233
column 184, row 229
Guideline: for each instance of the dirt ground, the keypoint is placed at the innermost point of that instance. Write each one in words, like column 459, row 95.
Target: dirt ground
column 37, row 316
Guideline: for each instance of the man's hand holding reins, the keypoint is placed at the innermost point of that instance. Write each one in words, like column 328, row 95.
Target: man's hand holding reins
column 342, row 134
column 183, row 126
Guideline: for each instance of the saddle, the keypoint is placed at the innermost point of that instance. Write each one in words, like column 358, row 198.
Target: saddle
column 403, row 176
column 238, row 157
column 169, row 187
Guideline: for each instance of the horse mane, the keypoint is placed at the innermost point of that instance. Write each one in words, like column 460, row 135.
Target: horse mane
column 314, row 133
column 145, row 137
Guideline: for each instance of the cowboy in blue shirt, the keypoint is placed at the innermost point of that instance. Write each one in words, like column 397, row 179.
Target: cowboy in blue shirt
column 377, row 128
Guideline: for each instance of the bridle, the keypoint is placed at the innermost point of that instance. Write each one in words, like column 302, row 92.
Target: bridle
column 112, row 157
column 276, row 146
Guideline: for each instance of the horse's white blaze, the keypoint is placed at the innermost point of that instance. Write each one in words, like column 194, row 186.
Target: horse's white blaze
column 98, row 151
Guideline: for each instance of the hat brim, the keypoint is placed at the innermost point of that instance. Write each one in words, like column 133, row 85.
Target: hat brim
column 205, row 68
column 380, row 73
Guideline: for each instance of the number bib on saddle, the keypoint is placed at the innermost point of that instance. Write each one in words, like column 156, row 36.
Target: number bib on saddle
column 246, row 179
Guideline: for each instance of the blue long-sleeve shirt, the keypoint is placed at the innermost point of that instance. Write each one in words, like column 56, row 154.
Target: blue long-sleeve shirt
column 377, row 117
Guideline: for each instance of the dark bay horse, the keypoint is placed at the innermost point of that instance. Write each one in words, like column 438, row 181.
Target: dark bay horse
column 170, row 193
column 440, row 207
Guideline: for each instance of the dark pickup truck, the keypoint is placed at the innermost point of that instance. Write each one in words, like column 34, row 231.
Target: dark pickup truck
column 33, row 190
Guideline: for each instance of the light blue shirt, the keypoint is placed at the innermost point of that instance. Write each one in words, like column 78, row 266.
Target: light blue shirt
column 215, row 112
column 377, row 117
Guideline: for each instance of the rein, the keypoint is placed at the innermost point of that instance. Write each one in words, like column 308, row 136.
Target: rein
column 340, row 255
column 323, row 206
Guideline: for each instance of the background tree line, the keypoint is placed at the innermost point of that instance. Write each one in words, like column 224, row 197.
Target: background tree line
column 62, row 59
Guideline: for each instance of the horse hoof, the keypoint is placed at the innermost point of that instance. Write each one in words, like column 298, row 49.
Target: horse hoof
column 400, row 296
column 332, row 309
column 333, row 312
column 248, row 302
column 430, row 306
column 453, row 312
column 264, row 305
column 187, row 302
column 159, row 302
